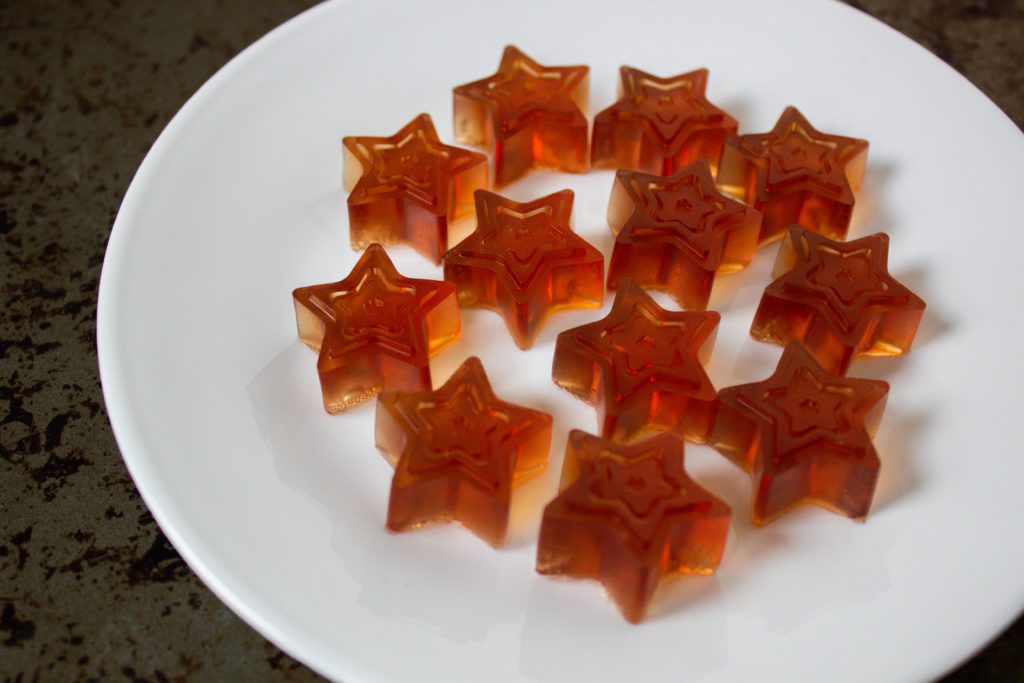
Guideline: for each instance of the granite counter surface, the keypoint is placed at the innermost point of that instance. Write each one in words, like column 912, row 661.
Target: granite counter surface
column 90, row 589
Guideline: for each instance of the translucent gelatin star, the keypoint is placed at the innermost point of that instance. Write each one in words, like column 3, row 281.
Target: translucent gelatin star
column 795, row 174
column 408, row 187
column 630, row 516
column 531, row 116
column 641, row 367
column 804, row 435
column 838, row 299
column 457, row 453
column 675, row 233
column 375, row 329
column 660, row 125
column 525, row 262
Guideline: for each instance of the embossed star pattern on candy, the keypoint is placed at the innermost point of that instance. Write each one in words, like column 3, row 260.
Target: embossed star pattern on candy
column 641, row 367
column 804, row 436
column 375, row 329
column 528, row 115
column 838, row 299
column 408, row 187
column 525, row 262
column 628, row 516
column 675, row 233
column 458, row 452
column 795, row 174
column 660, row 125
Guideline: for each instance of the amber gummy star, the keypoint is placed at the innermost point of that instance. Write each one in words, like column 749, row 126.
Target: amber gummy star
column 528, row 115
column 804, row 436
column 641, row 367
column 795, row 174
column 838, row 299
column 660, row 125
column 676, row 233
column 525, row 262
column 458, row 452
column 629, row 516
column 375, row 329
column 408, row 187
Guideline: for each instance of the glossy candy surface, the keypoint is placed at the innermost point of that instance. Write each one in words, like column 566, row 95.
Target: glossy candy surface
column 660, row 125
column 458, row 452
column 676, row 233
column 527, row 115
column 804, row 436
column 375, row 329
column 795, row 174
column 628, row 516
column 408, row 187
column 641, row 367
column 525, row 262
column 838, row 299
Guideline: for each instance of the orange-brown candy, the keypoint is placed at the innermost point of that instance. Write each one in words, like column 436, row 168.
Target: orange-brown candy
column 675, row 233
column 641, row 367
column 457, row 453
column 525, row 262
column 795, row 174
column 838, row 299
column 408, row 187
column 375, row 329
column 804, row 436
column 629, row 516
column 531, row 116
column 660, row 125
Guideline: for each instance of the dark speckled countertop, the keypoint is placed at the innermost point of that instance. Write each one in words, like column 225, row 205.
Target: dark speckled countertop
column 89, row 586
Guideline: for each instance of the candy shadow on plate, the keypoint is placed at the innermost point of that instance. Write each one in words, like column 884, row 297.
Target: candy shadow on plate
column 744, row 287
column 686, row 618
column 737, row 107
column 935, row 323
column 897, row 445
column 852, row 569
column 325, row 212
column 421, row 577
column 757, row 558
column 791, row 570
column 756, row 361
column 567, row 319
column 869, row 215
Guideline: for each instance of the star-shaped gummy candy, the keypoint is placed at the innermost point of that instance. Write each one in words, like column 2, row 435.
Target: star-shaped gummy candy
column 375, row 329
column 525, row 262
column 629, row 516
column 660, row 125
column 408, row 187
column 529, row 115
column 457, row 453
column 804, row 436
column 641, row 367
column 838, row 299
column 676, row 233
column 795, row 174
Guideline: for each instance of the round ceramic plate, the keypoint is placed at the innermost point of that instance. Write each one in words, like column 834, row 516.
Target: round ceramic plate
column 280, row 507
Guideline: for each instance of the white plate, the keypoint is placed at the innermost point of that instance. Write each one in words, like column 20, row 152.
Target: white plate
column 280, row 507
